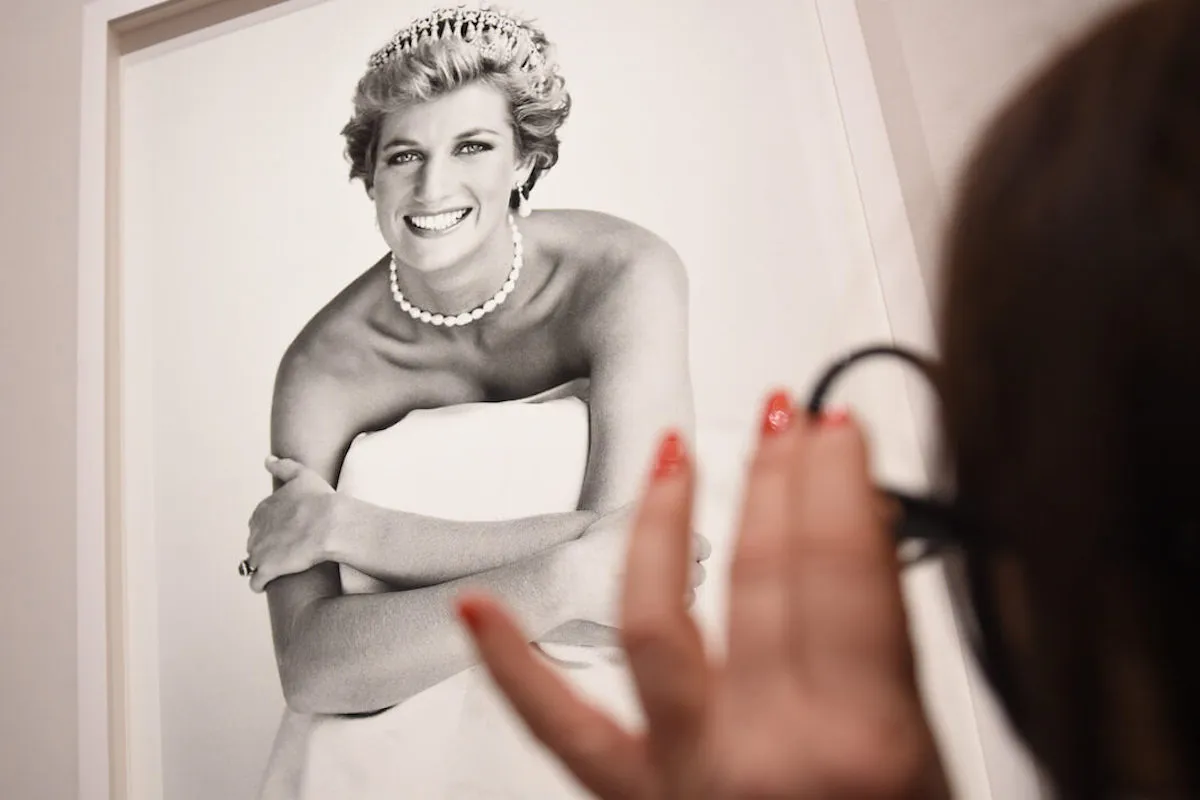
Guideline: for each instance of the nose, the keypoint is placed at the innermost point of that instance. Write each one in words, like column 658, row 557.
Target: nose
column 433, row 181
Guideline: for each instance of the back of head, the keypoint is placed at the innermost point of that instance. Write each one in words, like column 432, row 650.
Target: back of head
column 1072, row 394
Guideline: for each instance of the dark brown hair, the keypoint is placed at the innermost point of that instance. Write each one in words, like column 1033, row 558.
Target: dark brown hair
column 1072, row 380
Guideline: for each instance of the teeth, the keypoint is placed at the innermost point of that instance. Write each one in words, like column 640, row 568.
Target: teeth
column 439, row 222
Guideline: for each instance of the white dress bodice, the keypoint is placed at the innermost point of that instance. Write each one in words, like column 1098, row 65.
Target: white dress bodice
column 457, row 740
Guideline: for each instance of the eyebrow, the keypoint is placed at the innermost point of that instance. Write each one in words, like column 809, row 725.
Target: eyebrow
column 401, row 142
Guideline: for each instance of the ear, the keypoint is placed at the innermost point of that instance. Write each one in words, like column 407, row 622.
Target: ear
column 524, row 169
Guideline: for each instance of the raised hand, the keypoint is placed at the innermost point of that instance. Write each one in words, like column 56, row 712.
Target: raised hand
column 817, row 696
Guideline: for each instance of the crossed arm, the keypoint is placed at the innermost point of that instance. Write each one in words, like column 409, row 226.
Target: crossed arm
column 410, row 551
column 352, row 653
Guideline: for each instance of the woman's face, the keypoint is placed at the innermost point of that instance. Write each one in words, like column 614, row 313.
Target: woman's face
column 443, row 176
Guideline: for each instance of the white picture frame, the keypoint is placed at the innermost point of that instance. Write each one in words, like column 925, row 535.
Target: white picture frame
column 113, row 761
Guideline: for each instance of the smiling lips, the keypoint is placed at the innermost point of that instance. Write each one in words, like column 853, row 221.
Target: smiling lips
column 429, row 224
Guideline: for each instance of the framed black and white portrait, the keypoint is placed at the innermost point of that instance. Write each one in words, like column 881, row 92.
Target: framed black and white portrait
column 459, row 267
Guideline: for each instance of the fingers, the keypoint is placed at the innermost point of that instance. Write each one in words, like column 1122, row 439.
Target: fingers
column 260, row 558
column 260, row 579
column 284, row 469
column 253, row 538
column 664, row 646
column 697, row 572
column 607, row 760
column 758, row 594
column 888, row 510
column 846, row 607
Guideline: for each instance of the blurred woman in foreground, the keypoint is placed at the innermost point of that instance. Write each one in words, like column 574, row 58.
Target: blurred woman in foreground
column 1070, row 386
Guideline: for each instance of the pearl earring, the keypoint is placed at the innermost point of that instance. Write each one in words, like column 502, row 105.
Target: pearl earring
column 523, row 209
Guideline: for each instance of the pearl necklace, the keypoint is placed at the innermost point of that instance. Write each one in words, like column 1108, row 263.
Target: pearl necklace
column 466, row 317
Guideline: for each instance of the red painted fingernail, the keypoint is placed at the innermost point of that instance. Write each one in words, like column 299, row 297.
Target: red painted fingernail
column 835, row 416
column 670, row 455
column 470, row 615
column 777, row 415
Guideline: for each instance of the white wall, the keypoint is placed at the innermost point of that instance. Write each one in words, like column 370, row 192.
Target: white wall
column 945, row 66
column 239, row 223
column 39, row 105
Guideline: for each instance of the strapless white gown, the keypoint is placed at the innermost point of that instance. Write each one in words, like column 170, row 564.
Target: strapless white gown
column 457, row 740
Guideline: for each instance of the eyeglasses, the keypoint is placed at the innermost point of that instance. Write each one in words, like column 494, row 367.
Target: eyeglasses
column 925, row 527
column 928, row 527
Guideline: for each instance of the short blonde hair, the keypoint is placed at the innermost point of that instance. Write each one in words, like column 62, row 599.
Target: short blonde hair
column 537, row 97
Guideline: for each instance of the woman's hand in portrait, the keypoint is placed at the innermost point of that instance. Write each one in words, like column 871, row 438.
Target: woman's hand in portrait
column 816, row 694
column 701, row 550
column 290, row 528
column 597, row 567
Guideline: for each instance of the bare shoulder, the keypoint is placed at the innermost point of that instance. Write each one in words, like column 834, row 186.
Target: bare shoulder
column 614, row 261
column 602, row 240
column 313, row 410
column 331, row 345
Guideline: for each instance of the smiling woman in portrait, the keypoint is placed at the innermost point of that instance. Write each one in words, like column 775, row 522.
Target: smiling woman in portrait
column 476, row 408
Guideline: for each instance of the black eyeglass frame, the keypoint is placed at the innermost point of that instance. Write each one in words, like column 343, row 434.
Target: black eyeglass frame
column 929, row 527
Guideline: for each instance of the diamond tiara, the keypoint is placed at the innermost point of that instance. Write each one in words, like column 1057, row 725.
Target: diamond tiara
column 495, row 33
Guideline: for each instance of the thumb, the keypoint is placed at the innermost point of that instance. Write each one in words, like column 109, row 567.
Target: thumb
column 285, row 469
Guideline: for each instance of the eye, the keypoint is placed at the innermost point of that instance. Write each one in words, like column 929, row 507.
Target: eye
column 471, row 148
column 402, row 157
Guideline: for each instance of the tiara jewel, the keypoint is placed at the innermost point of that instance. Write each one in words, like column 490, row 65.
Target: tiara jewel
column 495, row 33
